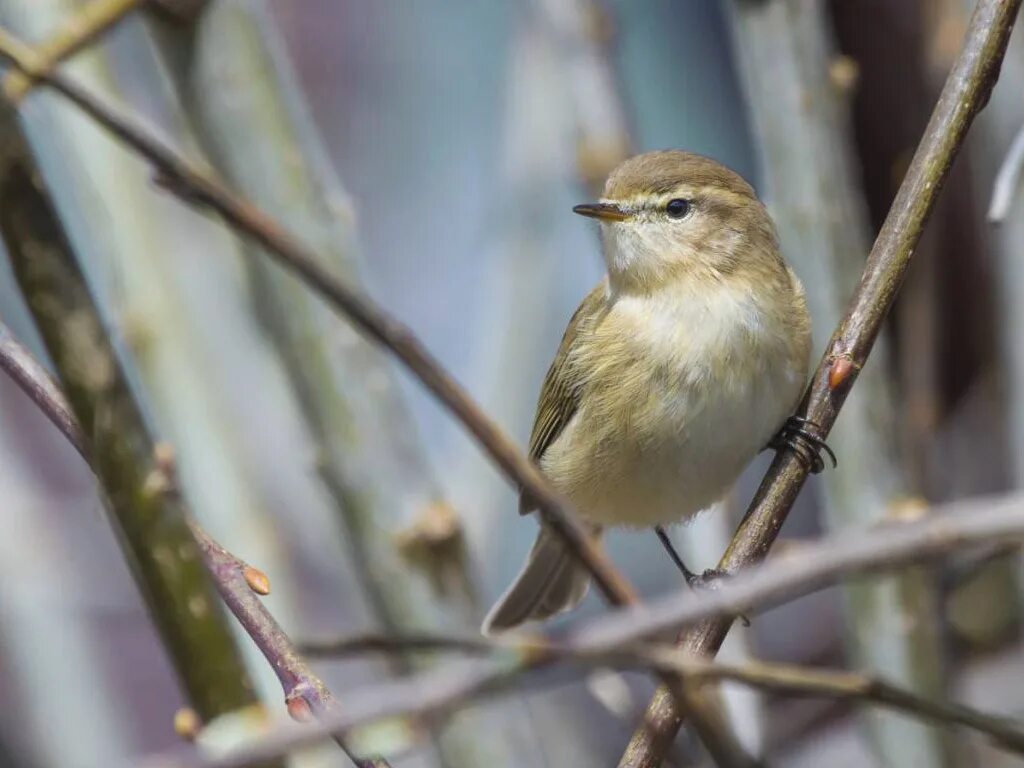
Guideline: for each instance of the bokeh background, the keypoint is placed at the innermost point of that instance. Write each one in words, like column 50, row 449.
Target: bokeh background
column 432, row 153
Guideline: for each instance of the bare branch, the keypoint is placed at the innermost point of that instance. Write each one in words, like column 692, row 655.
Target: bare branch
column 153, row 534
column 199, row 186
column 143, row 488
column 239, row 584
column 966, row 91
column 80, row 29
column 36, row 382
column 446, row 689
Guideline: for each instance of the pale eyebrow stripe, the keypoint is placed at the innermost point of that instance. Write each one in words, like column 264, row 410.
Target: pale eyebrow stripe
column 708, row 192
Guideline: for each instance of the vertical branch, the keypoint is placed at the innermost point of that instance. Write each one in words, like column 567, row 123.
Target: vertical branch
column 403, row 536
column 966, row 91
column 794, row 88
column 152, row 528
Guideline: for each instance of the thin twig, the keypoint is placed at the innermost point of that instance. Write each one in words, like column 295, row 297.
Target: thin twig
column 965, row 93
column 36, row 382
column 781, row 678
column 192, row 637
column 1008, row 180
column 448, row 688
column 200, row 187
column 79, row 30
column 955, row 526
column 239, row 584
column 98, row 403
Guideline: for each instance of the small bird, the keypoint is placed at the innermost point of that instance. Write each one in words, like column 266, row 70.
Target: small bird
column 684, row 362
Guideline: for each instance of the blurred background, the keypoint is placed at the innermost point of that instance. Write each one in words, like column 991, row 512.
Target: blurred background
column 431, row 153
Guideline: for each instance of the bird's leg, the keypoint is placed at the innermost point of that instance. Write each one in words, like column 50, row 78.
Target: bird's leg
column 691, row 577
column 693, row 581
column 801, row 436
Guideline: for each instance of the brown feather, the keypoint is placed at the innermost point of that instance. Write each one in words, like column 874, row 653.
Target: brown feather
column 559, row 394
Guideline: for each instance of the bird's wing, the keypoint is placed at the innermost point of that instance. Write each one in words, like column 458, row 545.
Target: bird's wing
column 559, row 395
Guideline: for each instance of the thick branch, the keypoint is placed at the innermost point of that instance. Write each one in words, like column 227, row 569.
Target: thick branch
column 964, row 94
column 154, row 536
column 194, row 647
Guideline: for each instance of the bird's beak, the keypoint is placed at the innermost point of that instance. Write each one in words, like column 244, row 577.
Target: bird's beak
column 602, row 211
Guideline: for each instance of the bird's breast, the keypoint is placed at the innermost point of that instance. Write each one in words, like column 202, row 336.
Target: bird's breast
column 680, row 391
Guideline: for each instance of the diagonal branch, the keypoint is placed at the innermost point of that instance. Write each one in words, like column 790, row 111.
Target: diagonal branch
column 953, row 527
column 446, row 689
column 785, row 679
column 36, row 382
column 85, row 26
column 237, row 582
column 966, row 91
column 200, row 186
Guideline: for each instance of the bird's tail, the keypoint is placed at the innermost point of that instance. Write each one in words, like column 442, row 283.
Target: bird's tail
column 551, row 582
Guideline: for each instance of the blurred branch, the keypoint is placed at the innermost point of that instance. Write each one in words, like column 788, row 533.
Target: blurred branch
column 954, row 526
column 239, row 584
column 85, row 26
column 153, row 532
column 447, row 688
column 966, row 91
column 1008, row 180
column 780, row 678
column 584, row 31
column 36, row 382
column 52, row 276
column 198, row 186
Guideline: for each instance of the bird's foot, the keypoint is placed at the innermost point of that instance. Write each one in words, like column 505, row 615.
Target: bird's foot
column 803, row 438
column 707, row 580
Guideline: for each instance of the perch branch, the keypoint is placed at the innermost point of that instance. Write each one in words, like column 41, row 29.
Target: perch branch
column 200, row 186
column 965, row 93
column 84, row 26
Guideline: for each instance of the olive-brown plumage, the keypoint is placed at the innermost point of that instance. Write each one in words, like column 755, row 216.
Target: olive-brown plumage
column 674, row 371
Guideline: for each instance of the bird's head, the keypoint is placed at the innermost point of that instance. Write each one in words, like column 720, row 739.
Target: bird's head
column 672, row 215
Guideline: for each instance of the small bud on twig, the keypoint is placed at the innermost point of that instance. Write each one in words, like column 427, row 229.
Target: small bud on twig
column 257, row 580
column 299, row 709
column 187, row 723
column 840, row 372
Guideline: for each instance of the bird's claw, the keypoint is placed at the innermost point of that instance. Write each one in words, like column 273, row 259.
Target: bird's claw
column 802, row 437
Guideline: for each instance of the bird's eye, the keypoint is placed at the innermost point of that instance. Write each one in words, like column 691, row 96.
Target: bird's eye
column 677, row 208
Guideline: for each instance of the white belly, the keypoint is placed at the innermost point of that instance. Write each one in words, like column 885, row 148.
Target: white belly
column 665, row 437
